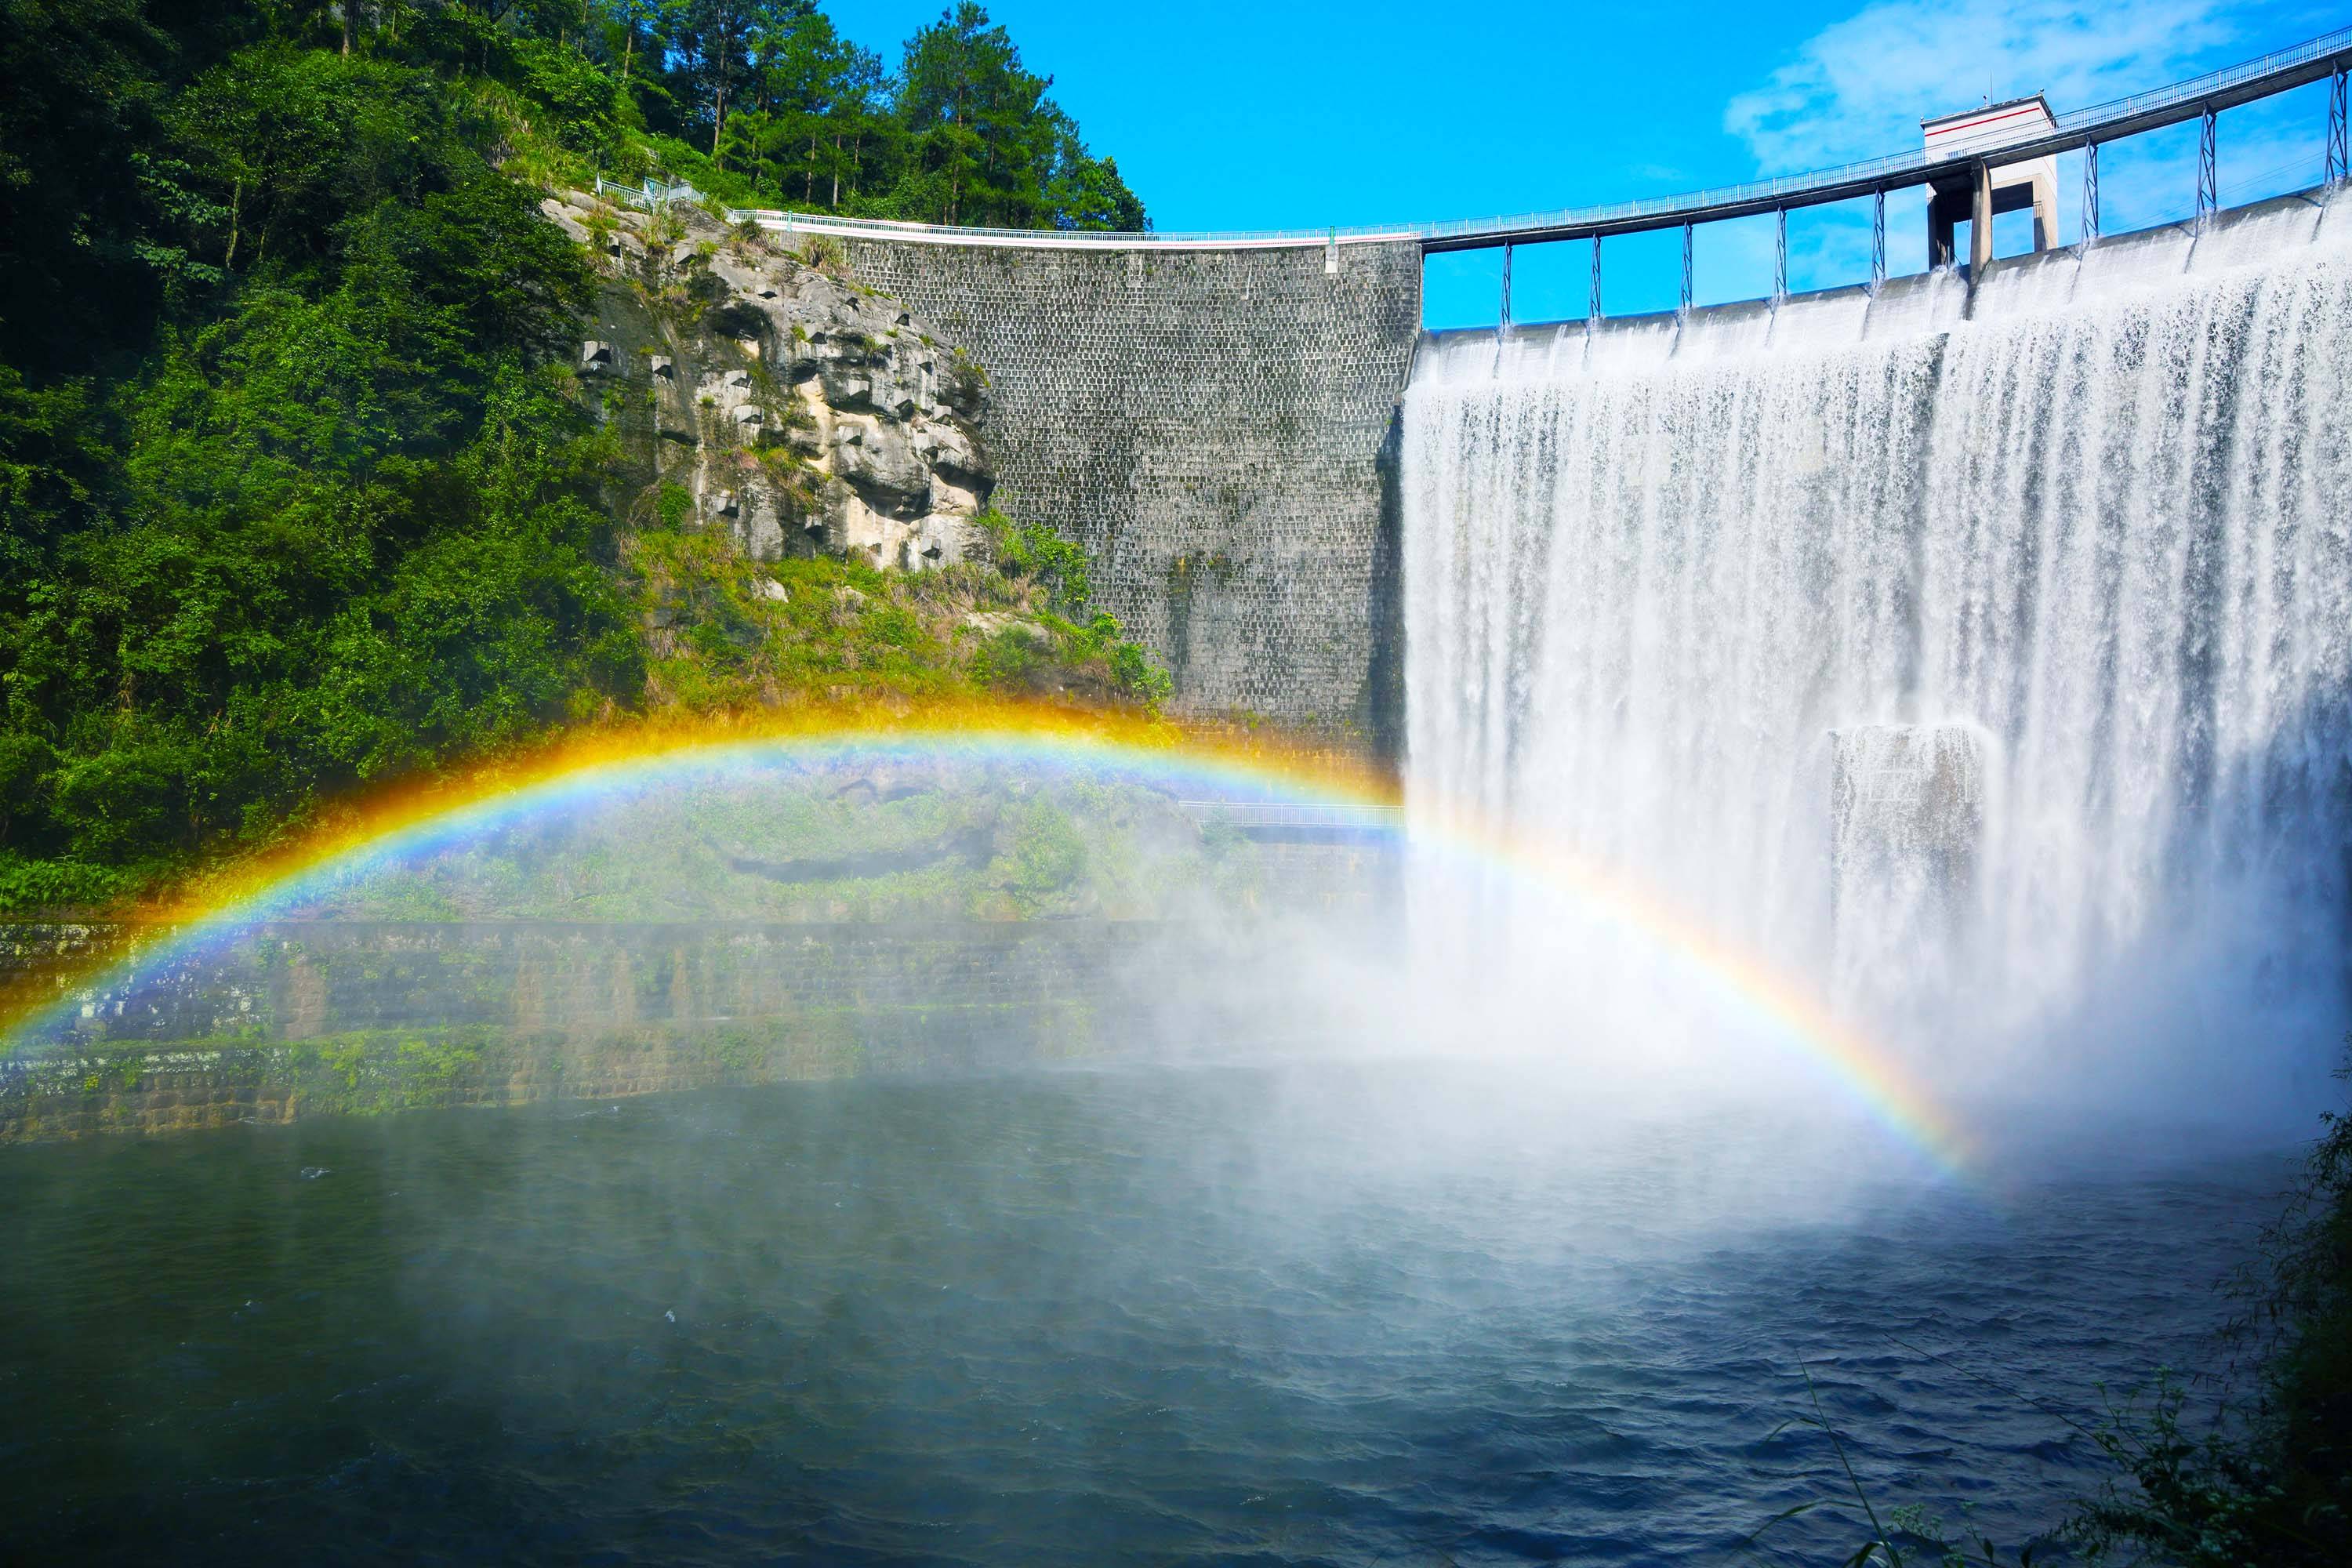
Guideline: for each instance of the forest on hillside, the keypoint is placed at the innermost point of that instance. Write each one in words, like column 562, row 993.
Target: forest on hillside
column 293, row 494
column 763, row 100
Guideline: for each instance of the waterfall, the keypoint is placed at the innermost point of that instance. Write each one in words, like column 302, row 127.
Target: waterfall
column 1980, row 662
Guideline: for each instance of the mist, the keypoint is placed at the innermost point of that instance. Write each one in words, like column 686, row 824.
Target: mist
column 1984, row 668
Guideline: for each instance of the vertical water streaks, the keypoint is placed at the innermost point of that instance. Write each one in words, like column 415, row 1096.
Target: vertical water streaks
column 2100, row 523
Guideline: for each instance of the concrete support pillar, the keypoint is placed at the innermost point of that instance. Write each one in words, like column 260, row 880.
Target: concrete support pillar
column 1948, row 207
column 2046, row 204
column 1974, row 193
column 1980, row 223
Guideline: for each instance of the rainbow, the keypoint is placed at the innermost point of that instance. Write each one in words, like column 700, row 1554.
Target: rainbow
column 370, row 836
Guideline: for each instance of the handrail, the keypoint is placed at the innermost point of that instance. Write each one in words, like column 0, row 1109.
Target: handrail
column 2275, row 73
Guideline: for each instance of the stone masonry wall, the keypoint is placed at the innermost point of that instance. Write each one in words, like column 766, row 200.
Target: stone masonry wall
column 1214, row 428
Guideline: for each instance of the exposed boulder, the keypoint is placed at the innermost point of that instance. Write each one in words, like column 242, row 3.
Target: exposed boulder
column 950, row 448
column 879, row 460
column 847, row 385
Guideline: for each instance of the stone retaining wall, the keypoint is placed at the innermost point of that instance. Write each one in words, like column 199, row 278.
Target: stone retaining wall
column 359, row 1017
column 1213, row 427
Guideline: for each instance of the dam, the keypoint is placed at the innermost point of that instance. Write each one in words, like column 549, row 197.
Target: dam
column 1968, row 643
column 1971, row 635
column 1215, row 417
column 1971, row 644
column 1706, row 876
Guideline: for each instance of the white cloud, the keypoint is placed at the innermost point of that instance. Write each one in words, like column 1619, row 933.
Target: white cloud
column 1859, row 88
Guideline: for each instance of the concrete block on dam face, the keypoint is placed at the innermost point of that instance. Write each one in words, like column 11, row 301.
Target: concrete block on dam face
column 1907, row 817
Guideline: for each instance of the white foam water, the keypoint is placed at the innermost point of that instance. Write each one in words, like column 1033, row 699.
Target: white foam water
column 2100, row 522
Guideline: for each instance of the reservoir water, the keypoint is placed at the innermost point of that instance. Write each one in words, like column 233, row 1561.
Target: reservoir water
column 1396, row 1314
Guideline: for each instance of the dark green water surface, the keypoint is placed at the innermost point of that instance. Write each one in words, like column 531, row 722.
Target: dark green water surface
column 1394, row 1314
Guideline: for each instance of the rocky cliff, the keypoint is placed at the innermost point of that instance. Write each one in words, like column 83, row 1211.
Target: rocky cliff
column 753, row 388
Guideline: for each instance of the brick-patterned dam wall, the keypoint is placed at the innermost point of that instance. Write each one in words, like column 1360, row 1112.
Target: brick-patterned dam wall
column 1215, row 427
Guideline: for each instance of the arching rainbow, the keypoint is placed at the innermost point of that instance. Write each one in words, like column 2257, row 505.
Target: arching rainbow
column 370, row 836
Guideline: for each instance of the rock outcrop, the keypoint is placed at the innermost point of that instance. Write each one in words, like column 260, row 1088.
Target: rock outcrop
column 804, row 413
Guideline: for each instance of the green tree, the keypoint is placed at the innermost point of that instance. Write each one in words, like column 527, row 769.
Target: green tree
column 978, row 119
column 987, row 146
column 334, row 523
column 293, row 492
column 1086, row 192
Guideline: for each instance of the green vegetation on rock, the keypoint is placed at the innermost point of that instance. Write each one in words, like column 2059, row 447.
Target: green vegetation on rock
column 296, row 493
column 859, row 839
column 725, row 631
column 291, row 502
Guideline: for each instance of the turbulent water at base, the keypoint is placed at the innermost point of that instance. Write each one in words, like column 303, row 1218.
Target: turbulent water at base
column 1983, row 662
column 1279, row 1317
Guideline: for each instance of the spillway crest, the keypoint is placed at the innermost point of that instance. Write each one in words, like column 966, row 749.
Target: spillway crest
column 1986, row 659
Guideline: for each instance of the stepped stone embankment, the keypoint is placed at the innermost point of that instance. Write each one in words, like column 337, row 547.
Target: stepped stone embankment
column 342, row 1018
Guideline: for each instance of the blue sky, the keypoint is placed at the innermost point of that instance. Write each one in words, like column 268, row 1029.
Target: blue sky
column 1294, row 113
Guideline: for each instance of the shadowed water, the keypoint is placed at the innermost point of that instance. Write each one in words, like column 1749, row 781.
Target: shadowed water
column 1396, row 1314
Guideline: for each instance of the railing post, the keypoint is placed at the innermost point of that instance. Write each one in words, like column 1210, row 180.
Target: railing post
column 2339, row 155
column 1593, row 318
column 2209, row 193
column 1877, row 239
column 2090, row 192
column 1780, row 255
column 1686, row 269
column 1506, row 284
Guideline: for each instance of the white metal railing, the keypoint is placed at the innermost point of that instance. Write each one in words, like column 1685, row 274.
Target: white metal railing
column 655, row 194
column 2285, row 68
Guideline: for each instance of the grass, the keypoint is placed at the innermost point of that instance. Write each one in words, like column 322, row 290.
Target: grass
column 724, row 631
